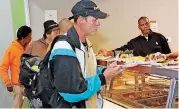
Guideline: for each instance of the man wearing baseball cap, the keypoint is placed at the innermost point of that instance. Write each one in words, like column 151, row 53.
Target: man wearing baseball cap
column 76, row 75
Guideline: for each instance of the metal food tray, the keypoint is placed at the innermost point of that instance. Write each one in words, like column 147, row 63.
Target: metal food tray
column 158, row 86
column 159, row 101
column 154, row 102
column 124, row 100
column 144, row 94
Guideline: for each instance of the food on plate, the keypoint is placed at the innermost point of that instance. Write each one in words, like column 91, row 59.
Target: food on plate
column 147, row 58
column 135, row 59
column 157, row 57
column 140, row 58
column 161, row 59
column 172, row 55
column 124, row 55
column 121, row 62
column 99, row 55
column 173, row 63
column 150, row 56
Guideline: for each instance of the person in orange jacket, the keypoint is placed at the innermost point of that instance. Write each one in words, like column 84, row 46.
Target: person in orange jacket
column 11, row 60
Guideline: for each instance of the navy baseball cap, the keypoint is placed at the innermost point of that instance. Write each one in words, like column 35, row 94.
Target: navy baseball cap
column 87, row 8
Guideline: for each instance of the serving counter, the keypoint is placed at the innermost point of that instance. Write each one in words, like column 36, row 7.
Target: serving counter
column 144, row 86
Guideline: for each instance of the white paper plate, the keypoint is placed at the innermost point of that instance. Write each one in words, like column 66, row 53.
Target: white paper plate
column 143, row 63
column 103, row 58
column 156, row 64
column 132, row 65
column 129, row 65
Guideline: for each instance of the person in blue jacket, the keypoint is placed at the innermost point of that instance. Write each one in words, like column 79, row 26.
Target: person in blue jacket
column 73, row 63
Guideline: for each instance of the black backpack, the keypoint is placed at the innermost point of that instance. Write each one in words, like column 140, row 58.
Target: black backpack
column 41, row 91
column 26, row 69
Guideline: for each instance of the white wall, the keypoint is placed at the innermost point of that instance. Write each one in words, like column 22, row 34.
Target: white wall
column 121, row 26
column 6, row 37
column 6, row 28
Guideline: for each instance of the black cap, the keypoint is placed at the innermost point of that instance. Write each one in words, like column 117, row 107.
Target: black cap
column 87, row 8
column 48, row 25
